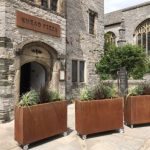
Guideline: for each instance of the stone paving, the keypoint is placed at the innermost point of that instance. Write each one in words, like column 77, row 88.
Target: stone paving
column 133, row 139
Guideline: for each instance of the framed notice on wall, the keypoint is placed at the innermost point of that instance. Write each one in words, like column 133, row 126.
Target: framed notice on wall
column 62, row 75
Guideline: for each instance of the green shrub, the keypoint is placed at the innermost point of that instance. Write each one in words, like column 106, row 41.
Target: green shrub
column 44, row 95
column 133, row 58
column 146, row 89
column 48, row 96
column 138, row 90
column 143, row 89
column 54, row 96
column 85, row 94
column 30, row 98
column 103, row 91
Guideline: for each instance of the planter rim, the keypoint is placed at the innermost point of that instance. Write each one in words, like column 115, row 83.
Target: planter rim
column 138, row 95
column 24, row 107
column 113, row 99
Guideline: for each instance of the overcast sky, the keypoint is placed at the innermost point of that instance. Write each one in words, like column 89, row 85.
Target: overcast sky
column 112, row 5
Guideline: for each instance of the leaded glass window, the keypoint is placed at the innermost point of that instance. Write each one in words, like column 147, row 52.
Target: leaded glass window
column 143, row 35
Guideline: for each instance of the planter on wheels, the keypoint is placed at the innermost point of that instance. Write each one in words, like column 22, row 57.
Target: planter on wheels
column 137, row 110
column 40, row 121
column 98, row 116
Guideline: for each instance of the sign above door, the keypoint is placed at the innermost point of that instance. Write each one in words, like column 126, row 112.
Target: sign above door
column 27, row 21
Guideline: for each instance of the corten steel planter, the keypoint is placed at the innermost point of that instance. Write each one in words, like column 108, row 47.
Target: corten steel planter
column 98, row 116
column 137, row 110
column 40, row 121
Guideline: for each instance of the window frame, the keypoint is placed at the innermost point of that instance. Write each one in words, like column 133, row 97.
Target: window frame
column 143, row 29
column 91, row 12
column 51, row 5
column 78, row 71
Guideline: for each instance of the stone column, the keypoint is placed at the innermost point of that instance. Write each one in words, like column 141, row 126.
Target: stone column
column 122, row 40
column 61, row 7
column 17, row 85
column 6, row 91
column 54, row 83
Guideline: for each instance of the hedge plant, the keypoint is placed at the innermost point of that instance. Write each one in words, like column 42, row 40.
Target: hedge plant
column 132, row 57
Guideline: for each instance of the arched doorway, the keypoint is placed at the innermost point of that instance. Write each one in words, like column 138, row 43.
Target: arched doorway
column 36, row 61
column 33, row 76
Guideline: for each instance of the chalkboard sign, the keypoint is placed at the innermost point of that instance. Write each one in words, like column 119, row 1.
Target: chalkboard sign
column 122, row 82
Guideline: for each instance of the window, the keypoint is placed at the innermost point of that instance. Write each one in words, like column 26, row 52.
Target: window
column 110, row 38
column 44, row 3
column 81, row 71
column 54, row 5
column 149, row 43
column 142, row 34
column 144, row 40
column 92, row 16
column 78, row 68
column 139, row 40
column 74, row 70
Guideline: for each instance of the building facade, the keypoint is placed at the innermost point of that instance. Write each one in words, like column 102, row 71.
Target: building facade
column 53, row 43
column 129, row 25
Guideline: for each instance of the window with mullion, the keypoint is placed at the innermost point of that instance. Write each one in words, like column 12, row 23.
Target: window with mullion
column 144, row 40
column 82, row 66
column 148, row 43
column 78, row 69
column 74, row 70
column 44, row 3
column 54, row 5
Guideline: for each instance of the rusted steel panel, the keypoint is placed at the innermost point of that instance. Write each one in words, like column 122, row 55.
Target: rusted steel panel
column 41, row 121
column 137, row 109
column 98, row 116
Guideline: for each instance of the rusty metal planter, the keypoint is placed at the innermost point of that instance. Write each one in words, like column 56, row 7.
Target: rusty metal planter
column 40, row 121
column 137, row 110
column 98, row 116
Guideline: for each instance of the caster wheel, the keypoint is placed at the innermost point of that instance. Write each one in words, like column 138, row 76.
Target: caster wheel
column 131, row 126
column 121, row 130
column 25, row 147
column 65, row 134
column 84, row 137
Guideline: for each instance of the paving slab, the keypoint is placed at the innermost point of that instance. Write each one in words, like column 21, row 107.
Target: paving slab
column 137, row 138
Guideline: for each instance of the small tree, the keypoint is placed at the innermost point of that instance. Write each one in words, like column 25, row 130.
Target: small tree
column 129, row 56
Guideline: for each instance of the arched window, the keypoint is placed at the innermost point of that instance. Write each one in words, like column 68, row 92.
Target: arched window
column 110, row 38
column 139, row 39
column 143, row 35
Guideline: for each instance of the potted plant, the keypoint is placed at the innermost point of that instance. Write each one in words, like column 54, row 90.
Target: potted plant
column 37, row 118
column 137, row 105
column 104, row 113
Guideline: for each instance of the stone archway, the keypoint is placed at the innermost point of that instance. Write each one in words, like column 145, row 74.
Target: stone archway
column 38, row 55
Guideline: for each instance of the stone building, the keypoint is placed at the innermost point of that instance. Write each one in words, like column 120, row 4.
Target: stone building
column 48, row 42
column 129, row 25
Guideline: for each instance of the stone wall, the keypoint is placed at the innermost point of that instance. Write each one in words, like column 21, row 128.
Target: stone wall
column 80, row 44
column 75, row 43
column 132, row 16
column 13, row 39
column 6, row 89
